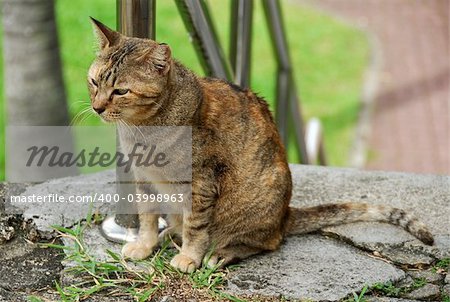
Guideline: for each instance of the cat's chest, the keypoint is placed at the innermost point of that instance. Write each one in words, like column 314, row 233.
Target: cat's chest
column 158, row 155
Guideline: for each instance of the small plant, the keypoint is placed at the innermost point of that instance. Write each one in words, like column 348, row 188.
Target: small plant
column 389, row 289
column 418, row 283
column 360, row 297
column 442, row 265
column 116, row 276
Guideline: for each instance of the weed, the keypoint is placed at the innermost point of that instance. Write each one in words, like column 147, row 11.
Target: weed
column 34, row 299
column 138, row 279
column 442, row 265
column 360, row 297
column 418, row 283
column 389, row 289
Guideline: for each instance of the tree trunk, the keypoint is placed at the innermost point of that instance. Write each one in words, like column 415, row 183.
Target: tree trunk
column 33, row 81
column 34, row 85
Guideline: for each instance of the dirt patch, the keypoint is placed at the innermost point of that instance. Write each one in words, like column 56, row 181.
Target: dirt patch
column 26, row 266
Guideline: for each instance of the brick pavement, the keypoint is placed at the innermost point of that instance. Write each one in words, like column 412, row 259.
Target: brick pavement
column 410, row 120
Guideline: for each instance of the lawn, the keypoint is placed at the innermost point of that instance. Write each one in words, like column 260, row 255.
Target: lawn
column 329, row 59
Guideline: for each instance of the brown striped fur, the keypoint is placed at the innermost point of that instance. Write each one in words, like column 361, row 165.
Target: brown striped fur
column 241, row 180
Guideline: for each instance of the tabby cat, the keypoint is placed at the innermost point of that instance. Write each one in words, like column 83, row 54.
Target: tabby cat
column 241, row 183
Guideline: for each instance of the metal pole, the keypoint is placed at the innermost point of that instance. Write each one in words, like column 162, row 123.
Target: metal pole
column 135, row 18
column 196, row 18
column 297, row 120
column 241, row 40
column 286, row 91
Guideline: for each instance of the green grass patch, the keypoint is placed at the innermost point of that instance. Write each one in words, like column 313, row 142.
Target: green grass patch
column 360, row 297
column 392, row 290
column 141, row 280
column 329, row 59
column 442, row 264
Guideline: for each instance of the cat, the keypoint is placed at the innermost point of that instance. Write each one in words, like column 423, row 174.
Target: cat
column 241, row 182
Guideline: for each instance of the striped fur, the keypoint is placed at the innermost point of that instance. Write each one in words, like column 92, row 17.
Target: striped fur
column 312, row 219
column 241, row 183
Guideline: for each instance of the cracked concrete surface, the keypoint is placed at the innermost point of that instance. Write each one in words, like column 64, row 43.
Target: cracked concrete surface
column 326, row 267
column 311, row 267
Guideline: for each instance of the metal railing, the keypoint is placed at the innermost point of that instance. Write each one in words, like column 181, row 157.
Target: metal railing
column 138, row 18
column 198, row 22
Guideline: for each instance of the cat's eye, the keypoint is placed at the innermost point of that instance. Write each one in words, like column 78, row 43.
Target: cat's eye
column 120, row 91
column 94, row 82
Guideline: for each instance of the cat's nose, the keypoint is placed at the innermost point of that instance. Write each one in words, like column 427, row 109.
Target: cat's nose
column 99, row 110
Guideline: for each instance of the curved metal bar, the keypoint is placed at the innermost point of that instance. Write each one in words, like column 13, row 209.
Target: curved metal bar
column 287, row 97
column 196, row 18
column 241, row 40
column 136, row 18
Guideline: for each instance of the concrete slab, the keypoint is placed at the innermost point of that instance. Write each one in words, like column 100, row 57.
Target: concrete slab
column 381, row 299
column 427, row 293
column 311, row 267
column 426, row 196
column 44, row 215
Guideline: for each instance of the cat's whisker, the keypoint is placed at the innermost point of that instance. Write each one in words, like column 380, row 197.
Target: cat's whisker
column 131, row 130
column 83, row 102
column 140, row 131
column 86, row 116
column 86, row 113
column 76, row 118
column 126, row 128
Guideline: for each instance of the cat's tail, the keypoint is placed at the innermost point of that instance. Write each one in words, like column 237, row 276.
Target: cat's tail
column 307, row 220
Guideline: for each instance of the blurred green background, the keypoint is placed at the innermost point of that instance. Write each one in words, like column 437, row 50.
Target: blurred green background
column 329, row 59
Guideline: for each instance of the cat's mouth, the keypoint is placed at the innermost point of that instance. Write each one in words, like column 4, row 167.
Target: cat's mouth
column 111, row 117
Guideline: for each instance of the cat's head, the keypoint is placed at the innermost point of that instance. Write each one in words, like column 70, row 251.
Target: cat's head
column 128, row 77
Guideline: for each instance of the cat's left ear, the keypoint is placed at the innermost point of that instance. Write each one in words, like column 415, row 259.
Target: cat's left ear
column 161, row 58
column 106, row 36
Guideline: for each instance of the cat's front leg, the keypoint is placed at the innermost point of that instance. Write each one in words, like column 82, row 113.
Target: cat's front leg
column 196, row 239
column 147, row 238
column 195, row 243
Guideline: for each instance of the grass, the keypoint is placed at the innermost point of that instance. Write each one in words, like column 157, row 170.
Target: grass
column 360, row 297
column 391, row 290
column 329, row 59
column 387, row 289
column 140, row 280
column 442, row 265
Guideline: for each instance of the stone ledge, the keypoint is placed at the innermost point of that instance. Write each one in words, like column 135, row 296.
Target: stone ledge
column 316, row 267
column 320, row 268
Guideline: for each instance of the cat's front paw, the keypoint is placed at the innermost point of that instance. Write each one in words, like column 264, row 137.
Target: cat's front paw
column 212, row 261
column 136, row 250
column 184, row 263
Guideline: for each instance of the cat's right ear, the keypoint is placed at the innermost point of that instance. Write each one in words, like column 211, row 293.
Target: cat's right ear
column 106, row 36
